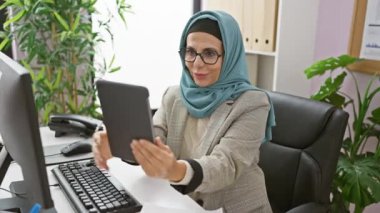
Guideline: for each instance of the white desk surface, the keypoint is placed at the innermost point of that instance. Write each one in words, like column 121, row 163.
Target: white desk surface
column 156, row 195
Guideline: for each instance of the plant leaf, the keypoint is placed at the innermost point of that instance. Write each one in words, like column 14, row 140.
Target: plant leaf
column 360, row 179
column 58, row 79
column 48, row 85
column 336, row 100
column 48, row 1
column 10, row 2
column 347, row 144
column 320, row 67
column 48, row 109
column 76, row 23
column 375, row 116
column 62, row 21
column 329, row 89
column 4, row 43
column 115, row 69
column 15, row 18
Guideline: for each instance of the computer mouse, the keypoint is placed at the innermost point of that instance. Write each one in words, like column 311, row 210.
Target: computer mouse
column 78, row 147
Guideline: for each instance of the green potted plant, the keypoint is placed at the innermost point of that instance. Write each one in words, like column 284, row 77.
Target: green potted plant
column 59, row 41
column 357, row 178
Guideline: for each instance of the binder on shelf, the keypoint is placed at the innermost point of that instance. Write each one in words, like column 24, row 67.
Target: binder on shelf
column 247, row 23
column 234, row 8
column 264, row 24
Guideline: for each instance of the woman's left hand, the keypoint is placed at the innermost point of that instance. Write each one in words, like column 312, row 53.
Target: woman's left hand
column 157, row 160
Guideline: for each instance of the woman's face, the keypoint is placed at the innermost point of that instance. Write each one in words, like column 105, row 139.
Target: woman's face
column 204, row 74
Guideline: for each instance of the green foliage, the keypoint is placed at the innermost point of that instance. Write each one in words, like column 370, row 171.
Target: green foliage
column 357, row 178
column 59, row 43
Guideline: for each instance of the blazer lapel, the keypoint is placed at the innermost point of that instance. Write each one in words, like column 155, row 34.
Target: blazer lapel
column 216, row 121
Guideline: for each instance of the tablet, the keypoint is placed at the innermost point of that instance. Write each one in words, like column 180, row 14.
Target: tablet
column 126, row 115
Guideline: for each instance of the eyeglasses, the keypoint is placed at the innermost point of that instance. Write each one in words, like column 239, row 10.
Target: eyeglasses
column 208, row 56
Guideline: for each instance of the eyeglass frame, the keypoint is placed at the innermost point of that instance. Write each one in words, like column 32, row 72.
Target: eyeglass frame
column 182, row 55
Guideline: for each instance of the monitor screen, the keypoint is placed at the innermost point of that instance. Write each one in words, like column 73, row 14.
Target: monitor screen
column 19, row 129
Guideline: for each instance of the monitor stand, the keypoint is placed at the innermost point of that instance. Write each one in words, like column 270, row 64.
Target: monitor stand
column 5, row 161
column 19, row 204
column 14, row 204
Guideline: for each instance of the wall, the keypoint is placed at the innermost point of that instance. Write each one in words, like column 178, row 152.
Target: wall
column 332, row 39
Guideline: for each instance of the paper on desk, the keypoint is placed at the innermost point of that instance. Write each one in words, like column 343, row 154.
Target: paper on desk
column 156, row 195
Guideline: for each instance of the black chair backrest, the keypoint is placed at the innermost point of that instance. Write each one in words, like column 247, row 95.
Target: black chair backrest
column 299, row 162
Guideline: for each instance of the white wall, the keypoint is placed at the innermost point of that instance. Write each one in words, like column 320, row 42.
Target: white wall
column 147, row 50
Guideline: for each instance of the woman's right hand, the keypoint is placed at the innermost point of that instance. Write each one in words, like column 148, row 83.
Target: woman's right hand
column 101, row 149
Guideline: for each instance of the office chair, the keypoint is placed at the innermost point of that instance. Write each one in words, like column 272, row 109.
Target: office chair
column 299, row 162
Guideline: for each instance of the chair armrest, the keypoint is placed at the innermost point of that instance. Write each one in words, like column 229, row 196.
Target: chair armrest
column 310, row 208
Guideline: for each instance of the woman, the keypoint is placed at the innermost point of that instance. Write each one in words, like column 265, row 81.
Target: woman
column 209, row 129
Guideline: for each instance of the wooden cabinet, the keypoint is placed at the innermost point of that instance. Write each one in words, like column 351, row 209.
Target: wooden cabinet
column 279, row 37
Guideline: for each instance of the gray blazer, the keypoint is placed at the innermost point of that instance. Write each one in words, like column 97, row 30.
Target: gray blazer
column 228, row 153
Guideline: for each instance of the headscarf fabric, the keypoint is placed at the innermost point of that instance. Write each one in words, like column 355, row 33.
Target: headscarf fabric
column 233, row 79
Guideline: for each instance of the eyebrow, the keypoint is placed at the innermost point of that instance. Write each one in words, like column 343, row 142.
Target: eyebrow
column 205, row 49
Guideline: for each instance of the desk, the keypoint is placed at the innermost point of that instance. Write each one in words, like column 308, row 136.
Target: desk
column 155, row 195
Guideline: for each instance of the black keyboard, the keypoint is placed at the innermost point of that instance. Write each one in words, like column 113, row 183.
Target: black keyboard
column 90, row 189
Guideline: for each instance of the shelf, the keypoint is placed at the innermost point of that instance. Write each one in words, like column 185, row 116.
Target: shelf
column 255, row 52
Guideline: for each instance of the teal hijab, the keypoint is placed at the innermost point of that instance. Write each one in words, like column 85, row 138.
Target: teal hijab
column 233, row 80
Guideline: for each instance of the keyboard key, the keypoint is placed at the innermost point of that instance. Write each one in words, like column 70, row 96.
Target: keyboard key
column 109, row 206
column 116, row 204
column 88, row 205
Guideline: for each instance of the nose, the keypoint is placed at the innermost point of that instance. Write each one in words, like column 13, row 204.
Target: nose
column 198, row 61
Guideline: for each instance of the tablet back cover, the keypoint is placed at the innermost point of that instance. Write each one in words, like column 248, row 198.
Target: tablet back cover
column 126, row 115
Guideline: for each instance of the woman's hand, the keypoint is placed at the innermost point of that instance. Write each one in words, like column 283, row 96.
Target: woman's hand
column 157, row 160
column 101, row 149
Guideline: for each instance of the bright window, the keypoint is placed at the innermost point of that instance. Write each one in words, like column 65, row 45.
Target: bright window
column 147, row 49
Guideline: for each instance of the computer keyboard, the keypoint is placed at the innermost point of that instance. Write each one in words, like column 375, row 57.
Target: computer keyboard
column 90, row 189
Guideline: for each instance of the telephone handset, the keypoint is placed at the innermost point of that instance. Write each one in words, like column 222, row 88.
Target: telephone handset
column 72, row 123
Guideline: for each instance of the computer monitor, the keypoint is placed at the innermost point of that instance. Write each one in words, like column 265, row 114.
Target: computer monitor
column 19, row 129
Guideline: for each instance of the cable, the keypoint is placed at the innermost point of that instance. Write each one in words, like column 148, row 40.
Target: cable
column 53, row 154
column 17, row 194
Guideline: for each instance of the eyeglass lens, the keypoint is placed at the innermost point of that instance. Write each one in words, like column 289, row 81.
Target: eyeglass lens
column 208, row 56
